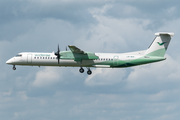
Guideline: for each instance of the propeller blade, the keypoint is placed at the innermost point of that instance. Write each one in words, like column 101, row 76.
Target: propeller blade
column 57, row 54
column 58, row 48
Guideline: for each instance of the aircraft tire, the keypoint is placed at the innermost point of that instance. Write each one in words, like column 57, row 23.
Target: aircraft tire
column 89, row 72
column 14, row 68
column 81, row 70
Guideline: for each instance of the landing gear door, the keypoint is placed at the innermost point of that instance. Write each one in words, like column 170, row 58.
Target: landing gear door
column 115, row 61
column 29, row 58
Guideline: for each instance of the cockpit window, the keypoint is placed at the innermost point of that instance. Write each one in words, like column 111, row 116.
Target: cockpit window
column 19, row 55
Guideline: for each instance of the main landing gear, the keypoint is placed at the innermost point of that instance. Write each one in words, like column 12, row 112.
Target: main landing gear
column 14, row 68
column 89, row 72
column 81, row 70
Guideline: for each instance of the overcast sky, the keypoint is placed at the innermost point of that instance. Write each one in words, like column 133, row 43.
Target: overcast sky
column 147, row 92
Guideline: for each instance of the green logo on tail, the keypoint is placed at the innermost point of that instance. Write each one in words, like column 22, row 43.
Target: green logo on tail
column 161, row 43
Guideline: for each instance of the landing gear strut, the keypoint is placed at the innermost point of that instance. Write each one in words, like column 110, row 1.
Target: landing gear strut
column 81, row 70
column 14, row 68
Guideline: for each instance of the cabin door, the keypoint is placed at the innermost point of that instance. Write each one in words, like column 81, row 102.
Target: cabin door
column 29, row 58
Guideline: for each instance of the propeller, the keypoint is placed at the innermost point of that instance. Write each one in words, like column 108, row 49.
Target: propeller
column 57, row 54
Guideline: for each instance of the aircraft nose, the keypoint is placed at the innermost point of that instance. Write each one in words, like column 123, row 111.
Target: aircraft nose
column 10, row 61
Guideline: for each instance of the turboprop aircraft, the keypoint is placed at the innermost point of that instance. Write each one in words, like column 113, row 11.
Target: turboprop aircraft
column 76, row 57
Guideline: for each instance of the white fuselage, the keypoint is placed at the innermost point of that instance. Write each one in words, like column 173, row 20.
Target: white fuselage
column 49, row 59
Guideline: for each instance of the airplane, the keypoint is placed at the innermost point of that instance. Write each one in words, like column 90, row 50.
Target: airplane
column 76, row 57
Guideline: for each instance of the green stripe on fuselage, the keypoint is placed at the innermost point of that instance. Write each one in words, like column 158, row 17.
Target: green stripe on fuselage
column 139, row 61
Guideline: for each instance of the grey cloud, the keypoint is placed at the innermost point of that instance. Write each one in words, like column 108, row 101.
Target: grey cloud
column 19, row 17
column 146, row 9
column 76, row 12
column 156, row 11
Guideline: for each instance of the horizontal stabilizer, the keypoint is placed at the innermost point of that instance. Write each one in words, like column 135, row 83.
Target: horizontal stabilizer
column 164, row 33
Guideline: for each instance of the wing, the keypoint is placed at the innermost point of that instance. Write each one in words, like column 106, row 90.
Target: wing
column 79, row 55
column 74, row 49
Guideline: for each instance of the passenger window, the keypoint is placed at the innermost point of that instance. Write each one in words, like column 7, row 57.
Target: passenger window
column 34, row 57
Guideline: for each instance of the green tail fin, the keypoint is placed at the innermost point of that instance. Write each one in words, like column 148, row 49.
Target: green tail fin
column 159, row 45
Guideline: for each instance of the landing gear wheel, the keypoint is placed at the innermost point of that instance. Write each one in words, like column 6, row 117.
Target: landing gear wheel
column 89, row 72
column 14, row 68
column 81, row 70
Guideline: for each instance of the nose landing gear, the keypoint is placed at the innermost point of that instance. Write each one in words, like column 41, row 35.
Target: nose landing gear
column 14, row 68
